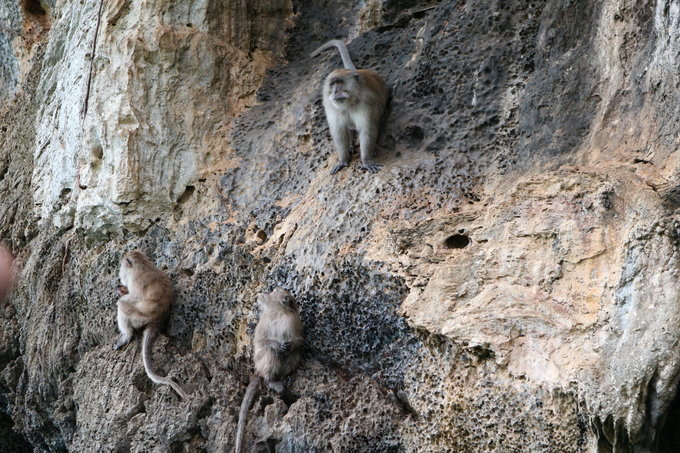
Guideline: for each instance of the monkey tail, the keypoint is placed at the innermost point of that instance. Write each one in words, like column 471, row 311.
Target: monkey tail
column 344, row 53
column 150, row 334
column 243, row 413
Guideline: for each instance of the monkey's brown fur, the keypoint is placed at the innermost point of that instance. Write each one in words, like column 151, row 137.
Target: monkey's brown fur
column 146, row 297
column 353, row 99
column 276, row 348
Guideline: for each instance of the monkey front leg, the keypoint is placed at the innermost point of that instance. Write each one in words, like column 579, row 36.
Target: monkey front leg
column 342, row 140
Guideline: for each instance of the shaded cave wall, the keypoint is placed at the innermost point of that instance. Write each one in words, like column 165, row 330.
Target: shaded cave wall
column 507, row 282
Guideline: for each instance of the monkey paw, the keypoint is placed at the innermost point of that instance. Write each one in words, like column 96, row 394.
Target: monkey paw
column 371, row 168
column 339, row 167
column 122, row 341
column 121, row 290
column 284, row 348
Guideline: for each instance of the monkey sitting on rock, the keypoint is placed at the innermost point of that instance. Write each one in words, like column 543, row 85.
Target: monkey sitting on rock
column 353, row 99
column 276, row 348
column 146, row 296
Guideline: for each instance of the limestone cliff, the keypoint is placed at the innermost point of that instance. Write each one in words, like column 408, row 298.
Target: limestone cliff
column 507, row 283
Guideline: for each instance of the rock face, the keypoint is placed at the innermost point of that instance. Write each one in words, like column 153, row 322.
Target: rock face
column 507, row 283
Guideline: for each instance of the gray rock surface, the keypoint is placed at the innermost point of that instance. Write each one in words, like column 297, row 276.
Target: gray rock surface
column 507, row 283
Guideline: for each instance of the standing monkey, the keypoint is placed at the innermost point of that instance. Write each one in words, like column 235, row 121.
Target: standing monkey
column 276, row 348
column 146, row 295
column 354, row 99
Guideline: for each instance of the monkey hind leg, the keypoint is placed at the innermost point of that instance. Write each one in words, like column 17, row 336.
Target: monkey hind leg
column 267, row 362
column 122, row 340
column 125, row 328
column 287, row 397
column 291, row 363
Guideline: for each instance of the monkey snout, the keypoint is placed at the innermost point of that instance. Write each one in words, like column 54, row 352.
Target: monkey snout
column 339, row 94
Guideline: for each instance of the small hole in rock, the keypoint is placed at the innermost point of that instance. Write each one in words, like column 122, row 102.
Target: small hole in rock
column 457, row 241
column 188, row 192
column 97, row 152
column 34, row 7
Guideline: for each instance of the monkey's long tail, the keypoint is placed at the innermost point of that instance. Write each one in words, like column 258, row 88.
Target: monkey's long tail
column 344, row 53
column 150, row 334
column 243, row 413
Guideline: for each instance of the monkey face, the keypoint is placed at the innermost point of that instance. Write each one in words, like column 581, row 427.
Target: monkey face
column 261, row 301
column 276, row 299
column 341, row 87
column 338, row 92
column 125, row 270
column 130, row 261
column 284, row 298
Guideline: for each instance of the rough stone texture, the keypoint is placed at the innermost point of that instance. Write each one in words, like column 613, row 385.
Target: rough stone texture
column 507, row 283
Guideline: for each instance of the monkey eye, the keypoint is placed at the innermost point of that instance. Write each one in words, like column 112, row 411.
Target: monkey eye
column 335, row 81
column 356, row 76
column 128, row 261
